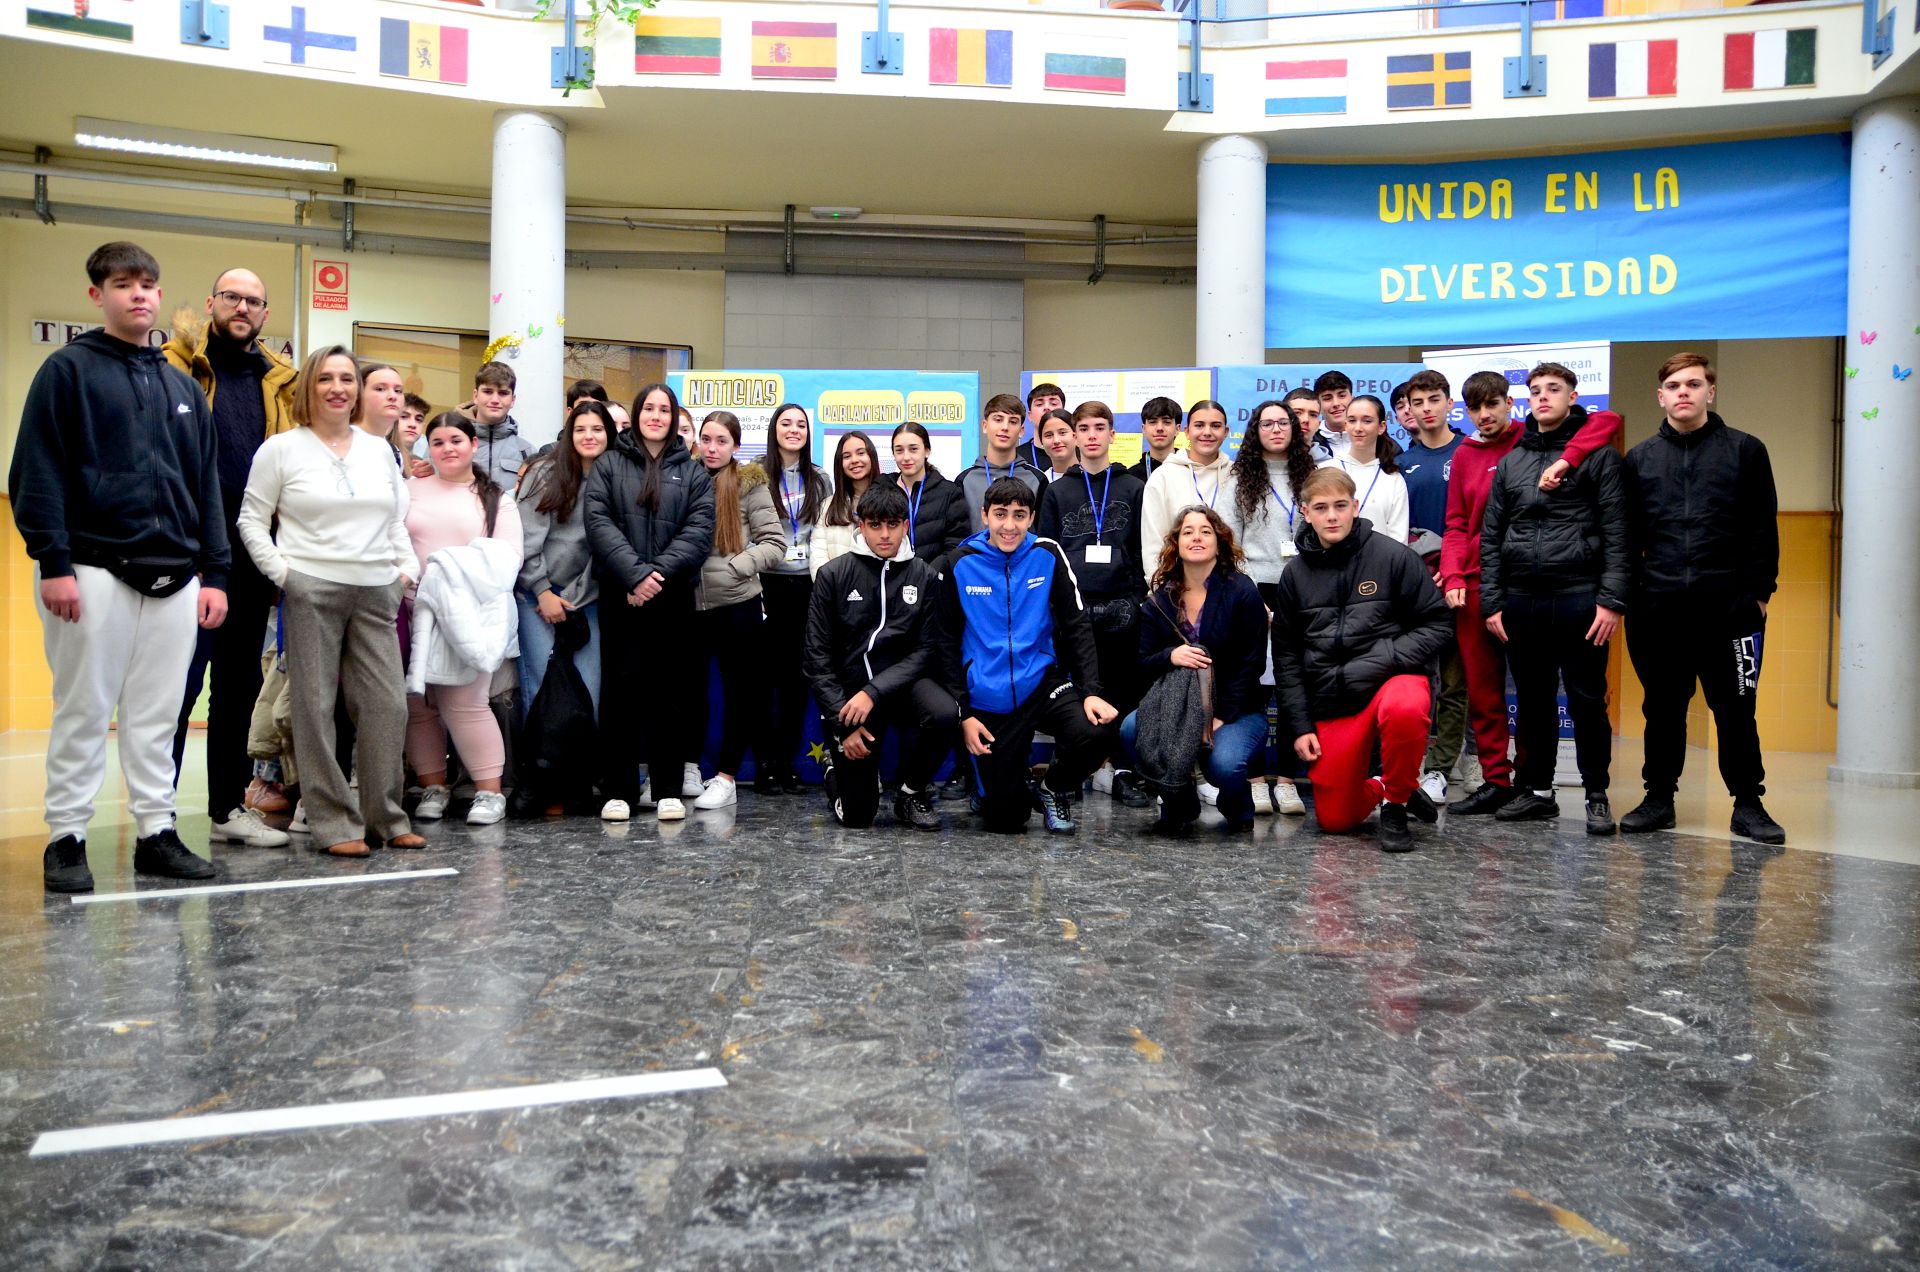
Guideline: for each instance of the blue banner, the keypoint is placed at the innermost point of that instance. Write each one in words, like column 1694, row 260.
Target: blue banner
column 1736, row 240
column 1245, row 387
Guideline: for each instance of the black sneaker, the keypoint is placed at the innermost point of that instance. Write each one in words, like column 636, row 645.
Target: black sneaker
column 65, row 867
column 1170, row 828
column 1750, row 821
column 954, row 788
column 1599, row 814
column 833, row 795
column 1421, row 805
column 525, row 804
column 1529, row 806
column 915, row 809
column 767, row 783
column 1057, row 810
column 1394, row 835
column 1488, row 799
column 1655, row 813
column 1130, row 790
column 162, row 853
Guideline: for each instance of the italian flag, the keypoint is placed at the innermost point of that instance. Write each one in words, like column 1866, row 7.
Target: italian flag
column 1770, row 59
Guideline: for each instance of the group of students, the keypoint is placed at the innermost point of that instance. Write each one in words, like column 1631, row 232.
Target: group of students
column 398, row 565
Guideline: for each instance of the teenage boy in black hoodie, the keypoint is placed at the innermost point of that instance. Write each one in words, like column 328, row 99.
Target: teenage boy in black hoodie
column 116, row 492
column 1356, row 626
column 1093, row 513
column 1706, row 557
column 1553, row 585
column 866, row 651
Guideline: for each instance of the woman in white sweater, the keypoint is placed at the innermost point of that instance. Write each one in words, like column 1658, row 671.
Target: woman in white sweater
column 1196, row 475
column 341, row 558
column 1381, row 489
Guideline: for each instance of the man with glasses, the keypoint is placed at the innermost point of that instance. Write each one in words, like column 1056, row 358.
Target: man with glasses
column 250, row 391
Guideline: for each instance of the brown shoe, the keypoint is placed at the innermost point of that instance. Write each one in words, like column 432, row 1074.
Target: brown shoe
column 266, row 797
column 352, row 848
column 408, row 840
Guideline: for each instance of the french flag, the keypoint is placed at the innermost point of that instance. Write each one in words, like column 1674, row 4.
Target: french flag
column 1633, row 68
column 1307, row 88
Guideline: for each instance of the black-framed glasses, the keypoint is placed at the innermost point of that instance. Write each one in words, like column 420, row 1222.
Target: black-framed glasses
column 238, row 301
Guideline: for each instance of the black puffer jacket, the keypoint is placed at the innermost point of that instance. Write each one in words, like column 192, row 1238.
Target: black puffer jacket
column 1551, row 542
column 1701, row 510
column 1350, row 617
column 629, row 541
column 867, row 627
column 940, row 522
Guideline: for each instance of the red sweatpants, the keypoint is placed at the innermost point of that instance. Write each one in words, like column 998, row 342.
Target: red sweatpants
column 1485, row 661
column 1343, row 794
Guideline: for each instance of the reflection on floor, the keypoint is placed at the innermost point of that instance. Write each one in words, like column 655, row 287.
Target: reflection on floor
column 1518, row 1046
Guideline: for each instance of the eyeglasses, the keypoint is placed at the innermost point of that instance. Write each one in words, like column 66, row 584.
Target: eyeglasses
column 342, row 479
column 238, row 301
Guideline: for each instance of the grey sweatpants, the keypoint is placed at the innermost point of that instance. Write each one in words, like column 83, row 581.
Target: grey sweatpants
column 341, row 643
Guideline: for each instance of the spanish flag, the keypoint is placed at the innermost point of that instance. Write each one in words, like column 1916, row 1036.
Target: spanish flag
column 794, row 50
column 423, row 51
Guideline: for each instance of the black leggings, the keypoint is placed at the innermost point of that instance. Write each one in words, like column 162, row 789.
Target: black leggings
column 647, row 699
column 785, row 634
column 730, row 635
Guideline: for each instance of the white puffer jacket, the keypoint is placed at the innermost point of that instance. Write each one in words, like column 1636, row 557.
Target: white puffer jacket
column 464, row 622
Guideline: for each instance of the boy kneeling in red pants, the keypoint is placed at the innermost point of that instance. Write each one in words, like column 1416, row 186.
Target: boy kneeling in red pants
column 1358, row 622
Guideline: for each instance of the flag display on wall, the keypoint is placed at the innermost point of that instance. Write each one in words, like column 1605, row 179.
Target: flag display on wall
column 1086, row 72
column 676, row 46
column 1633, row 68
column 295, row 42
column 1429, row 81
column 794, row 50
column 423, row 51
column 1307, row 88
column 1770, row 59
column 970, row 57
column 106, row 19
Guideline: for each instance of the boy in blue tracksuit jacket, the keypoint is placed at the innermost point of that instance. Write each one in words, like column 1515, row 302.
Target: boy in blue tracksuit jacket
column 1015, row 649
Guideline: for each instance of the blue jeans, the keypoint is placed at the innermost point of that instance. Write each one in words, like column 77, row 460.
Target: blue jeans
column 1235, row 743
column 536, row 647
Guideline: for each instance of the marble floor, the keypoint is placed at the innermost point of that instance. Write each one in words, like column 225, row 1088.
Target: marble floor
column 1517, row 1047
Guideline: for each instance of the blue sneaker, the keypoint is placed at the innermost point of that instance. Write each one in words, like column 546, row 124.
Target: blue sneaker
column 1058, row 810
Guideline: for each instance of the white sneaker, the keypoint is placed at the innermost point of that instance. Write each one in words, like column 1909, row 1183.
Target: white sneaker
column 1103, row 779
column 671, row 810
column 1262, row 799
column 432, row 805
column 1209, row 794
column 1467, row 771
column 615, row 810
column 646, row 794
column 1287, row 799
column 692, row 785
column 246, row 826
column 488, row 807
column 298, row 826
column 1435, row 786
column 719, row 793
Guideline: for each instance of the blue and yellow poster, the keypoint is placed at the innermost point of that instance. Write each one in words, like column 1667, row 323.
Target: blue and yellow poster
column 945, row 403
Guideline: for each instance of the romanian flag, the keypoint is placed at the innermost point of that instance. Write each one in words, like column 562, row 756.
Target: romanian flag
column 423, row 51
column 676, row 46
column 1633, row 68
column 1086, row 73
column 969, row 56
column 1424, row 81
column 1770, row 59
column 794, row 50
column 107, row 19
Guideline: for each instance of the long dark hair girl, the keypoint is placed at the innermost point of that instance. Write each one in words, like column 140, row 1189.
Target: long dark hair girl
column 729, row 535
column 811, row 478
column 1386, row 450
column 840, row 507
column 560, row 469
column 482, row 484
column 650, row 487
column 1250, row 477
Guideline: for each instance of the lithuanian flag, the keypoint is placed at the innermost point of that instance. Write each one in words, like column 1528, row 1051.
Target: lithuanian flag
column 423, row 51
column 794, row 50
column 676, row 46
column 107, row 19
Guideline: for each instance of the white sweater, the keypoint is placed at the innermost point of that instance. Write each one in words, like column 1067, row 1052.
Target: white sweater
column 1181, row 483
column 341, row 520
column 1382, row 501
column 1267, row 538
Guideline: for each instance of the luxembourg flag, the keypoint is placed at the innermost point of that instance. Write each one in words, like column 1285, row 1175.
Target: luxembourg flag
column 1307, row 88
column 1633, row 68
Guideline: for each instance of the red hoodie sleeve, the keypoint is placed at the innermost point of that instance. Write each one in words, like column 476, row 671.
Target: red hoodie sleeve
column 1596, row 433
column 1454, row 543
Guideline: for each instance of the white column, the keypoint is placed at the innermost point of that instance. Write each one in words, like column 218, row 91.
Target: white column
column 528, row 289
column 1879, row 733
column 1230, row 321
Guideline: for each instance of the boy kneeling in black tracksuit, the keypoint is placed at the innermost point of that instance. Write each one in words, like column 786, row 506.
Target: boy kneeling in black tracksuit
column 866, row 649
column 1016, row 651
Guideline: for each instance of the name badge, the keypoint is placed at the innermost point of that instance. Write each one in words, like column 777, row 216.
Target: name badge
column 797, row 553
column 1099, row 554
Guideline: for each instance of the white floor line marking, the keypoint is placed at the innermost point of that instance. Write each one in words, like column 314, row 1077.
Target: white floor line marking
column 167, row 894
column 89, row 1139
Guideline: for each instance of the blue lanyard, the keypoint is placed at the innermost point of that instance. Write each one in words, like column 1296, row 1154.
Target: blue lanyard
column 1194, row 473
column 1370, row 485
column 1099, row 513
column 1147, row 460
column 1288, row 508
column 913, row 506
column 793, row 518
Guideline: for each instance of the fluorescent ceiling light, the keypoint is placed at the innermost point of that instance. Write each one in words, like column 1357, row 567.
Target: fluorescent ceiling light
column 209, row 147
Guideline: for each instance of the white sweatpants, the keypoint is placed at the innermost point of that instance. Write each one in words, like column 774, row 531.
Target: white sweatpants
column 128, row 651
